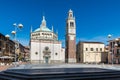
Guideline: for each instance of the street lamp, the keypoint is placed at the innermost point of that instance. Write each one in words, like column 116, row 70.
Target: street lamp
column 109, row 36
column 7, row 36
column 17, row 26
column 111, row 52
column 116, row 42
column 112, row 47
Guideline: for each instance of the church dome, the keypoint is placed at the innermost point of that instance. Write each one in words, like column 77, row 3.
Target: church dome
column 43, row 26
column 38, row 29
column 43, row 29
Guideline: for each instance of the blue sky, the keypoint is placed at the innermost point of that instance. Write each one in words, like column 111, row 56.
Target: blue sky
column 95, row 19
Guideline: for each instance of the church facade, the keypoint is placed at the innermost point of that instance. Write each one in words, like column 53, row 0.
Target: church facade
column 45, row 46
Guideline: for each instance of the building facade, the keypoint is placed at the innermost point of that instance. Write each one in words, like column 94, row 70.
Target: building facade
column 45, row 46
column 90, row 52
column 6, row 46
column 70, row 54
column 8, row 53
column 114, row 51
column 27, row 53
column 21, row 52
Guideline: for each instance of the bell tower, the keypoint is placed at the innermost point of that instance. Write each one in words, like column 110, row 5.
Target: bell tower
column 70, row 53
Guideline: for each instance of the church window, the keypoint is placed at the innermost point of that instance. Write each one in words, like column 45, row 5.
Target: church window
column 36, row 53
column 56, row 53
column 46, row 48
column 86, row 49
column 71, row 24
column 70, row 15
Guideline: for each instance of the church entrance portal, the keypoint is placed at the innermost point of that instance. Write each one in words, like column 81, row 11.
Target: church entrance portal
column 46, row 54
column 46, row 60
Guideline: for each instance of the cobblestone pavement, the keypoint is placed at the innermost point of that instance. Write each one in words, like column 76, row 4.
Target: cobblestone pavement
column 5, row 67
column 24, row 65
column 78, row 65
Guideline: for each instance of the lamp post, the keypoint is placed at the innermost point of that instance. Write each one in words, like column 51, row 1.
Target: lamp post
column 17, row 26
column 109, row 36
column 7, row 36
column 115, row 45
column 112, row 48
column 111, row 52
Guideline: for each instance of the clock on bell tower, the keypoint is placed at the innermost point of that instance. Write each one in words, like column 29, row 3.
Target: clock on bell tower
column 70, row 55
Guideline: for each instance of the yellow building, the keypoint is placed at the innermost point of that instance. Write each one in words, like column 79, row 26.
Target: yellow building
column 90, row 52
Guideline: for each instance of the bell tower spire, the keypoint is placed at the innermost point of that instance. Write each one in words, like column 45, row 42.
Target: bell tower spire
column 70, row 14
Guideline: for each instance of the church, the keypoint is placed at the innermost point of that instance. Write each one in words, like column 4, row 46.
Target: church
column 45, row 46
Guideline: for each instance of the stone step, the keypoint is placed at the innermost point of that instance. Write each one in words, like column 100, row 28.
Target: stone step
column 12, row 76
column 60, row 74
column 4, row 77
column 114, row 77
column 64, row 76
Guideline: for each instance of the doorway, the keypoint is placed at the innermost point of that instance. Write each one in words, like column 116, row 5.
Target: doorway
column 46, row 60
